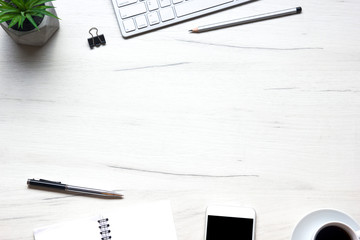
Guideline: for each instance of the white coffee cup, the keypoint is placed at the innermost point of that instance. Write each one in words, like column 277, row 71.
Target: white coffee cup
column 353, row 235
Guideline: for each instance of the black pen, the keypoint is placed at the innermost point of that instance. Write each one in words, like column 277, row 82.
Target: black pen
column 69, row 188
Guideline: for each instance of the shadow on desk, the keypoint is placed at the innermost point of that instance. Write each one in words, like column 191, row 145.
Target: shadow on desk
column 32, row 54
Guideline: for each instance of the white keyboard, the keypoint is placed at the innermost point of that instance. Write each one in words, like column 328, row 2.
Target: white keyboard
column 139, row 16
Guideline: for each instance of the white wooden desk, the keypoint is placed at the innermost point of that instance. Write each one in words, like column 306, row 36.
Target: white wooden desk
column 265, row 115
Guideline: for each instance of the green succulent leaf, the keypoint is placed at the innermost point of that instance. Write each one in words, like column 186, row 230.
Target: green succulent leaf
column 14, row 21
column 39, row 2
column 19, row 3
column 29, row 17
column 4, row 4
column 7, row 17
column 7, row 11
column 37, row 15
column 17, row 11
column 45, row 13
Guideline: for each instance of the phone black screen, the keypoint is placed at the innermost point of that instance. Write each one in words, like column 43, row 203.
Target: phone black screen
column 229, row 228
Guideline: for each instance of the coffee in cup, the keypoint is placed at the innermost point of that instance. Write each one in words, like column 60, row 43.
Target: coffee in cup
column 336, row 231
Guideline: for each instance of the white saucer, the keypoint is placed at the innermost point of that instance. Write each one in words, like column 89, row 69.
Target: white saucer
column 305, row 229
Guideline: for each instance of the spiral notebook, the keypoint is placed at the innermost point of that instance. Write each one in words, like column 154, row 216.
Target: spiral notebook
column 152, row 221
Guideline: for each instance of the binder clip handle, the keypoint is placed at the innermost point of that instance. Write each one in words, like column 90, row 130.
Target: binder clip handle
column 97, row 40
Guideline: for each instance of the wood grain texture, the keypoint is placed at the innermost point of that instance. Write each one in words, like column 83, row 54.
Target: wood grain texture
column 265, row 115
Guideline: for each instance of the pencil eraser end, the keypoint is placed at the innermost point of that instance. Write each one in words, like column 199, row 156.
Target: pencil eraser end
column 298, row 9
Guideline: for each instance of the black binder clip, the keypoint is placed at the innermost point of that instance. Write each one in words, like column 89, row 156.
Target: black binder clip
column 97, row 40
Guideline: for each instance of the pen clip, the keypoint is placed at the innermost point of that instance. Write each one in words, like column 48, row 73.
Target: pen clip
column 47, row 181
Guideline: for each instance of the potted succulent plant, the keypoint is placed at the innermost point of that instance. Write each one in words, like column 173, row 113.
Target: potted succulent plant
column 29, row 22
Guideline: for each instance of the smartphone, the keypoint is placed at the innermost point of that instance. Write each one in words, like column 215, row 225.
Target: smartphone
column 229, row 223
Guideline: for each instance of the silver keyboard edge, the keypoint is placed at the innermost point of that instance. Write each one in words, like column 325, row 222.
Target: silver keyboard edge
column 174, row 21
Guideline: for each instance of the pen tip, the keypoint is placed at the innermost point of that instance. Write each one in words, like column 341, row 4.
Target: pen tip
column 298, row 9
column 194, row 30
column 113, row 195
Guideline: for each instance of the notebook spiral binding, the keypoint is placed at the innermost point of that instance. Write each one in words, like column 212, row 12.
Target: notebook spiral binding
column 104, row 228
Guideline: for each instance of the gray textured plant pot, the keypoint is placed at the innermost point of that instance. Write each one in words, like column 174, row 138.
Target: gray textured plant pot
column 48, row 27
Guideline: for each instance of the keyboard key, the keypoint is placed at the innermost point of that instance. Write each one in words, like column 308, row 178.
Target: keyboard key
column 129, row 25
column 139, row 16
column 153, row 18
column 141, row 21
column 164, row 3
column 152, row 5
column 189, row 7
column 167, row 14
column 121, row 3
column 132, row 10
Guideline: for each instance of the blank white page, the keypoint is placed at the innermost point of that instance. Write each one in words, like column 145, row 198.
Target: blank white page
column 152, row 221
column 78, row 229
